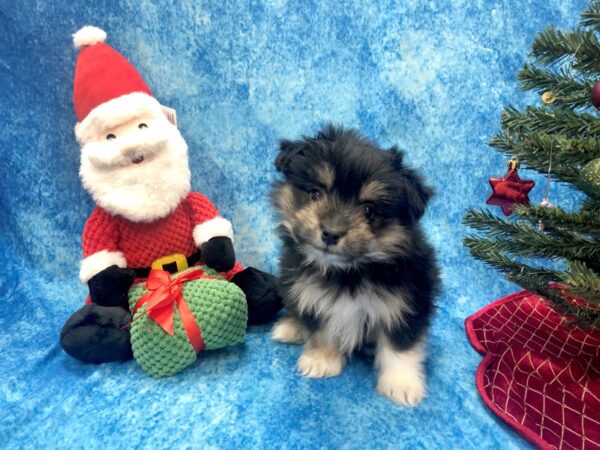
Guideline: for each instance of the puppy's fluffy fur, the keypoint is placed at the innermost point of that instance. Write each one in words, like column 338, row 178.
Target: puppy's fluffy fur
column 356, row 271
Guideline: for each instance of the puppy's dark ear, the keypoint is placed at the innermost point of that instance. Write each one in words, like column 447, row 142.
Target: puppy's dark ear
column 288, row 150
column 417, row 196
column 329, row 132
column 416, row 192
column 397, row 157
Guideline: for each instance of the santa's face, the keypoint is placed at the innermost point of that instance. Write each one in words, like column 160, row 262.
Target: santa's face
column 137, row 169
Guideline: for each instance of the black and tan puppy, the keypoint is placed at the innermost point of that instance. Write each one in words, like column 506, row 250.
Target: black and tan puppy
column 356, row 271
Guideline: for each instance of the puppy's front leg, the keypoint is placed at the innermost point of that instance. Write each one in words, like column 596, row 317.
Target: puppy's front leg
column 401, row 376
column 289, row 330
column 321, row 359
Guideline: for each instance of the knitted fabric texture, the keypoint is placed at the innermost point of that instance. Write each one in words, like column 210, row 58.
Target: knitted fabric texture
column 220, row 310
column 142, row 243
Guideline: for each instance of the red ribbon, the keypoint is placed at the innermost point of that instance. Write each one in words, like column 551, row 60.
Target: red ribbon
column 162, row 296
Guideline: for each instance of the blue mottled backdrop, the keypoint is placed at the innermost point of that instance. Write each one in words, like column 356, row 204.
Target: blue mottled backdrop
column 431, row 76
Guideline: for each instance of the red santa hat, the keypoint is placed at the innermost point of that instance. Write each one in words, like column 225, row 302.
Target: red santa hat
column 107, row 89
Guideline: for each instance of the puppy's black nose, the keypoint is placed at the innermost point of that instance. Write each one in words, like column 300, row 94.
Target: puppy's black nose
column 330, row 237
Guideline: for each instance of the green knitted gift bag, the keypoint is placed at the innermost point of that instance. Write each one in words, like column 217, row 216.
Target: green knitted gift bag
column 219, row 309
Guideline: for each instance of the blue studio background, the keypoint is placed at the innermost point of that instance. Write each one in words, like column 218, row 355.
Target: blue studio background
column 431, row 77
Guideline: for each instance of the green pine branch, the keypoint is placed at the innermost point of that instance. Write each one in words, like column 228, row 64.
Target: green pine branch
column 581, row 47
column 537, row 149
column 591, row 17
column 517, row 271
column 583, row 282
column 591, row 204
column 550, row 121
column 582, row 221
column 534, row 279
column 570, row 92
column 523, row 239
column 545, row 147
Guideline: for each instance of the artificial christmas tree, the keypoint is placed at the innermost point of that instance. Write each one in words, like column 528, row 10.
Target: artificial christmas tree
column 565, row 136
column 541, row 371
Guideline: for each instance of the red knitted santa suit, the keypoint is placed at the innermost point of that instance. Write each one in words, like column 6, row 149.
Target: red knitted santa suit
column 142, row 243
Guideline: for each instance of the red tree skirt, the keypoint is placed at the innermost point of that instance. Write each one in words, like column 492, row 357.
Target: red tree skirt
column 539, row 375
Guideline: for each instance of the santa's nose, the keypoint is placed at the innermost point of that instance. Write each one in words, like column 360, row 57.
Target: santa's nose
column 128, row 152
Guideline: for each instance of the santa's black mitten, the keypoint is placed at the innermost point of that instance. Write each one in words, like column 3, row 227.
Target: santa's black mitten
column 110, row 286
column 218, row 253
column 262, row 294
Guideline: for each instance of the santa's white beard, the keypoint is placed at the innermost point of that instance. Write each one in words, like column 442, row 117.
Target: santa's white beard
column 141, row 192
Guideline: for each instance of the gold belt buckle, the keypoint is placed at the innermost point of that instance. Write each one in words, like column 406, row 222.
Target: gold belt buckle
column 179, row 259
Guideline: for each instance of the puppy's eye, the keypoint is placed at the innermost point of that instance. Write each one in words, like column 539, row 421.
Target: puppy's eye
column 368, row 211
column 142, row 125
column 315, row 194
column 110, row 137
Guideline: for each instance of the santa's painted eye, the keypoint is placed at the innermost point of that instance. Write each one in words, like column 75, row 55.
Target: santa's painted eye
column 141, row 126
column 110, row 137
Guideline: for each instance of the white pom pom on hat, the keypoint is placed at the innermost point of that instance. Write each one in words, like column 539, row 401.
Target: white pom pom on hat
column 88, row 35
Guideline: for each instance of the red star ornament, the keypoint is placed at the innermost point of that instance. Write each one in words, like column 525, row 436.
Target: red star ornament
column 510, row 191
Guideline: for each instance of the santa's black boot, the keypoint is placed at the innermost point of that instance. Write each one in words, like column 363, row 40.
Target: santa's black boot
column 98, row 334
column 262, row 295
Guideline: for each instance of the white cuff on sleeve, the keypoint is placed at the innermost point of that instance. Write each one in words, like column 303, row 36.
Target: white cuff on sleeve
column 212, row 228
column 99, row 261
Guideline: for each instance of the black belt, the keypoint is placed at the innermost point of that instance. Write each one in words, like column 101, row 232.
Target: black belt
column 170, row 265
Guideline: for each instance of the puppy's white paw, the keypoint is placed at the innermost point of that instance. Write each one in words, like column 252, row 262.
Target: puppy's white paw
column 320, row 363
column 289, row 331
column 406, row 388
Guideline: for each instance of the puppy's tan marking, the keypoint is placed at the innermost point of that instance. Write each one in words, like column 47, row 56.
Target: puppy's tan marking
column 306, row 220
column 392, row 241
column 308, row 215
column 325, row 175
column 320, row 359
column 357, row 238
column 372, row 191
column 284, row 200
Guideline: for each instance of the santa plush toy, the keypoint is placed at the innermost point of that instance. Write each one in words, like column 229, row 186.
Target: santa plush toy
column 134, row 163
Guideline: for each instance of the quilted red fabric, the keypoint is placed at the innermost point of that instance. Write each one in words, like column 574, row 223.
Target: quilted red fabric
column 539, row 375
column 142, row 243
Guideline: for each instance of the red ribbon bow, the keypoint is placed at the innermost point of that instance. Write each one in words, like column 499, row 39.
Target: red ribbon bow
column 162, row 296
